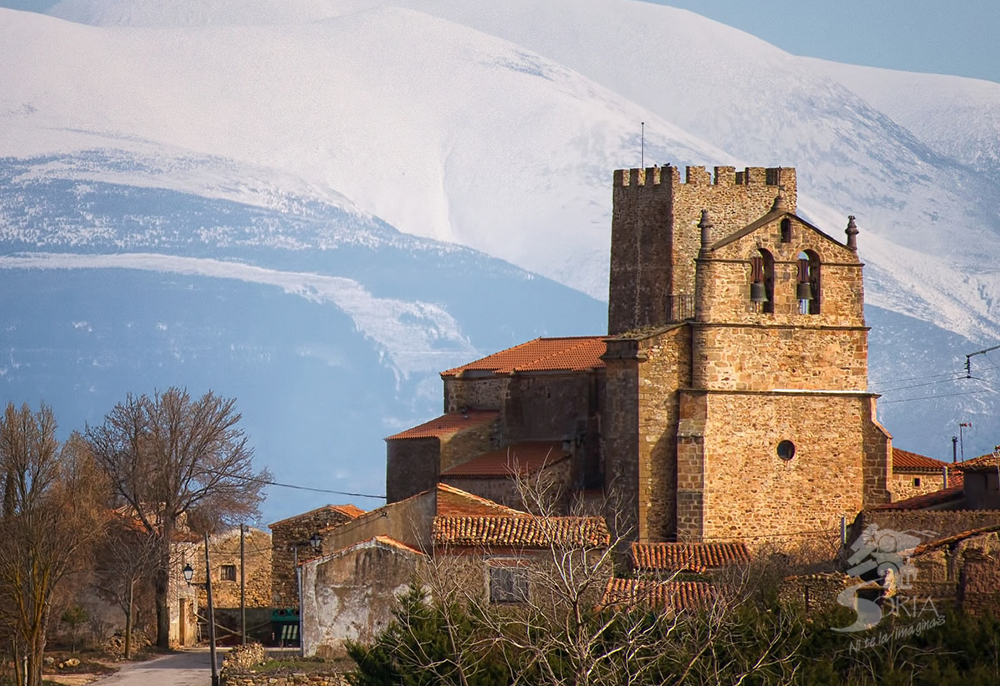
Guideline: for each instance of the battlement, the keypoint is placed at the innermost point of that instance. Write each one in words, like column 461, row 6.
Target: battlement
column 699, row 176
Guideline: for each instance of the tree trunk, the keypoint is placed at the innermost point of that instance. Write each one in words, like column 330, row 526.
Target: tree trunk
column 161, row 582
column 128, row 621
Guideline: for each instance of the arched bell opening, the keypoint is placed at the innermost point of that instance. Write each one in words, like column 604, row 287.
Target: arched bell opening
column 762, row 281
column 807, row 287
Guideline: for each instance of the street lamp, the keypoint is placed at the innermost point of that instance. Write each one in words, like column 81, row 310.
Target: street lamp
column 315, row 541
column 188, row 573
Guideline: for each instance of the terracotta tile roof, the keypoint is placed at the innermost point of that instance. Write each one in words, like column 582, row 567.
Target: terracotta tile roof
column 951, row 495
column 520, row 531
column 570, row 354
column 983, row 463
column 523, row 458
column 904, row 460
column 392, row 542
column 676, row 595
column 454, row 502
column 349, row 511
column 447, row 425
column 687, row 557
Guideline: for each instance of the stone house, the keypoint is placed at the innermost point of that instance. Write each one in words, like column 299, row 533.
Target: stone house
column 914, row 474
column 728, row 401
column 191, row 599
column 486, row 551
column 290, row 542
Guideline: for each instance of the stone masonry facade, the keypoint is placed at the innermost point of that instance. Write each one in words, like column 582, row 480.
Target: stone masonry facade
column 290, row 537
column 707, row 415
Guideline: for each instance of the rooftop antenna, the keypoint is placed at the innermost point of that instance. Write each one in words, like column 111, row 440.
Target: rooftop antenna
column 961, row 437
column 642, row 145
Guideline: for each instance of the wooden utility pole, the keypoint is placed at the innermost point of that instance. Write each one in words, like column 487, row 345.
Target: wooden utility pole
column 211, row 614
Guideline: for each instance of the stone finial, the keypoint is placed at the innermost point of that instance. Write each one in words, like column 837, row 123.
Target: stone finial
column 706, row 227
column 852, row 233
column 779, row 201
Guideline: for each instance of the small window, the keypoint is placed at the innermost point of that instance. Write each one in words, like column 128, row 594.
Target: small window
column 228, row 573
column 508, row 584
column 916, row 481
column 786, row 450
column 786, row 230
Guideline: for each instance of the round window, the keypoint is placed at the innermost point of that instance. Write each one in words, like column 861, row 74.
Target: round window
column 786, row 450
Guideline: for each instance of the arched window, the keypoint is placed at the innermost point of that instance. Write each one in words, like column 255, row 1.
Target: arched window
column 807, row 290
column 762, row 282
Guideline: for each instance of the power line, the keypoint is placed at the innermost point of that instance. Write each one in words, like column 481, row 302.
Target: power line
column 918, row 378
column 921, row 385
column 934, row 397
column 299, row 488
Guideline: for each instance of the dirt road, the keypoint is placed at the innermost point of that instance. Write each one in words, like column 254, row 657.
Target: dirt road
column 189, row 668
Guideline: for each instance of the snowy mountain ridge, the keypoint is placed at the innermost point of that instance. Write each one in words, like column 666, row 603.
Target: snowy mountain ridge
column 328, row 201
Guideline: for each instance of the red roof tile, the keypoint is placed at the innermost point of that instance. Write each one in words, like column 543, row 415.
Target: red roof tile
column 522, row 458
column 904, row 460
column 520, row 531
column 687, row 557
column 447, row 425
column 983, row 463
column 454, row 502
column 676, row 595
column 927, row 500
column 542, row 354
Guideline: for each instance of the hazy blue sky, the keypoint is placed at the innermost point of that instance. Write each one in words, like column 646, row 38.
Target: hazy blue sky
column 943, row 36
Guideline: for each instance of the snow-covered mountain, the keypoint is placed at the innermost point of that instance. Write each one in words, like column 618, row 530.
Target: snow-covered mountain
column 320, row 151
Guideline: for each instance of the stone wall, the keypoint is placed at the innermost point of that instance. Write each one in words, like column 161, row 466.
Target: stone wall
column 549, row 406
column 468, row 443
column 505, row 491
column 980, row 582
column 291, row 534
column 654, row 239
column 412, row 465
column 902, row 484
column 932, row 523
column 225, row 552
column 351, row 594
column 296, row 679
column 476, row 394
column 667, row 368
column 407, row 521
column 751, row 493
column 759, row 357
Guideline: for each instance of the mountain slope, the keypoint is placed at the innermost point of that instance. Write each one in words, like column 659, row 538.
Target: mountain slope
column 958, row 117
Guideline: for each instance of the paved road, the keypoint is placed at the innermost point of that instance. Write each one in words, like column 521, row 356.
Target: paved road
column 189, row 668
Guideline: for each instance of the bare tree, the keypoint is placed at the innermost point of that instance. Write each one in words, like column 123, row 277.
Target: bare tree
column 169, row 455
column 124, row 566
column 51, row 514
column 573, row 621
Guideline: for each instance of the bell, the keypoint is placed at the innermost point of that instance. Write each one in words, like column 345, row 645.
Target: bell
column 803, row 290
column 757, row 292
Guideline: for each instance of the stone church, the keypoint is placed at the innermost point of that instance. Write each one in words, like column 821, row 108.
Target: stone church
column 728, row 401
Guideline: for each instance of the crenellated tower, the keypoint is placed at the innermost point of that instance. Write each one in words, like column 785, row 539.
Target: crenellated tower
column 655, row 239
